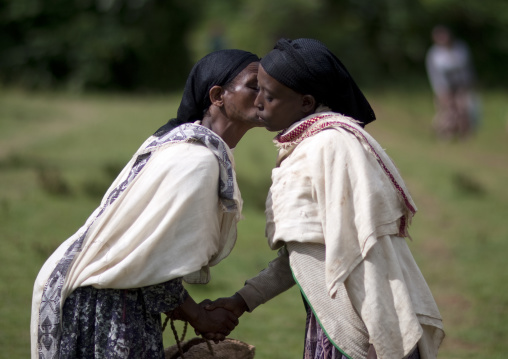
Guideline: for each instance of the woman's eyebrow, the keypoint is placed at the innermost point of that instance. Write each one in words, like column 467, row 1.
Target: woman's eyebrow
column 265, row 89
column 253, row 80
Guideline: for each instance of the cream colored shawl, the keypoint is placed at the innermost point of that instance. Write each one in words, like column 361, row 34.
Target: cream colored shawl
column 171, row 213
column 340, row 205
column 322, row 160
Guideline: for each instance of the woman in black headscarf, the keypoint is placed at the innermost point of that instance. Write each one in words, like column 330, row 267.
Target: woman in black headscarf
column 169, row 215
column 338, row 211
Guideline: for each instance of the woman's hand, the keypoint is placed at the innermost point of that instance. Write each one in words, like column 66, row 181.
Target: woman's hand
column 219, row 321
column 235, row 304
column 175, row 314
column 212, row 324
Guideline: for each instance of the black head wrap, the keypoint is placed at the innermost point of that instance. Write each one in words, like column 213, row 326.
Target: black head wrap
column 308, row 67
column 215, row 69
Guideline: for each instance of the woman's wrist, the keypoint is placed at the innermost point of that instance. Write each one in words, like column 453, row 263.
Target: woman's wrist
column 240, row 303
column 190, row 310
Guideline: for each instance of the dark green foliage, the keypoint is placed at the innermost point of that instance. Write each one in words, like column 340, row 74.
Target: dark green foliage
column 84, row 44
column 151, row 44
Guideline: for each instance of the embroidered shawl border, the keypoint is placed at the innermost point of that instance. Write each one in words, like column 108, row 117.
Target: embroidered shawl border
column 193, row 132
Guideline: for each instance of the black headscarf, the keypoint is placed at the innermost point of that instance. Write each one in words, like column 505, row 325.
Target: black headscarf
column 308, row 67
column 215, row 69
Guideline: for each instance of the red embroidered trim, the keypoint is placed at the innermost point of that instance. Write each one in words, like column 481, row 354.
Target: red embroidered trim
column 299, row 130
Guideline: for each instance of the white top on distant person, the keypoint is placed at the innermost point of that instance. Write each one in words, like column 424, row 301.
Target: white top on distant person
column 450, row 70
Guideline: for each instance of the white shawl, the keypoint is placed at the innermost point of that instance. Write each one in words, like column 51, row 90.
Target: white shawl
column 165, row 222
column 358, row 197
column 335, row 186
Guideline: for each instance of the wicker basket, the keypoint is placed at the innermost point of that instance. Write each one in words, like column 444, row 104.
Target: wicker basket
column 200, row 348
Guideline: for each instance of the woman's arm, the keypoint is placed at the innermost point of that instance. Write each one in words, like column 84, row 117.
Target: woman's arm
column 270, row 282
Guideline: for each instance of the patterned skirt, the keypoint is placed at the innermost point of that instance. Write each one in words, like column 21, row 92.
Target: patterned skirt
column 117, row 323
column 318, row 346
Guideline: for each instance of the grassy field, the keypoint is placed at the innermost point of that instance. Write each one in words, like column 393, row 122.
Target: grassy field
column 58, row 154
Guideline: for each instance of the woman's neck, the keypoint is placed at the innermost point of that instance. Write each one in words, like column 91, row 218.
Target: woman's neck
column 230, row 131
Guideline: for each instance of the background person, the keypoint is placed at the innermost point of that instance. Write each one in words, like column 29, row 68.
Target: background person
column 169, row 215
column 451, row 75
column 338, row 211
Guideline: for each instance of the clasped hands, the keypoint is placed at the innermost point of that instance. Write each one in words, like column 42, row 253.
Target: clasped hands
column 213, row 320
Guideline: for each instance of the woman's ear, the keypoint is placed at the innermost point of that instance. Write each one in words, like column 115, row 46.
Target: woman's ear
column 308, row 104
column 215, row 94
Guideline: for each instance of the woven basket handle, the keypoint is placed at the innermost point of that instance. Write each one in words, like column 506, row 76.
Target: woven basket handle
column 183, row 349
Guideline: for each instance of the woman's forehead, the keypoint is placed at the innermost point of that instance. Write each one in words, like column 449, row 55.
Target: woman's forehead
column 272, row 85
column 267, row 80
column 250, row 71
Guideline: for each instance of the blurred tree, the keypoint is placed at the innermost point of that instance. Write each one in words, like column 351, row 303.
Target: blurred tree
column 151, row 44
column 80, row 44
column 379, row 41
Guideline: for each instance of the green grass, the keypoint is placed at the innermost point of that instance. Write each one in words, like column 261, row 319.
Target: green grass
column 58, row 154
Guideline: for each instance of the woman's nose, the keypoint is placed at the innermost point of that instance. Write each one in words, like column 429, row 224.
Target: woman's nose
column 258, row 103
